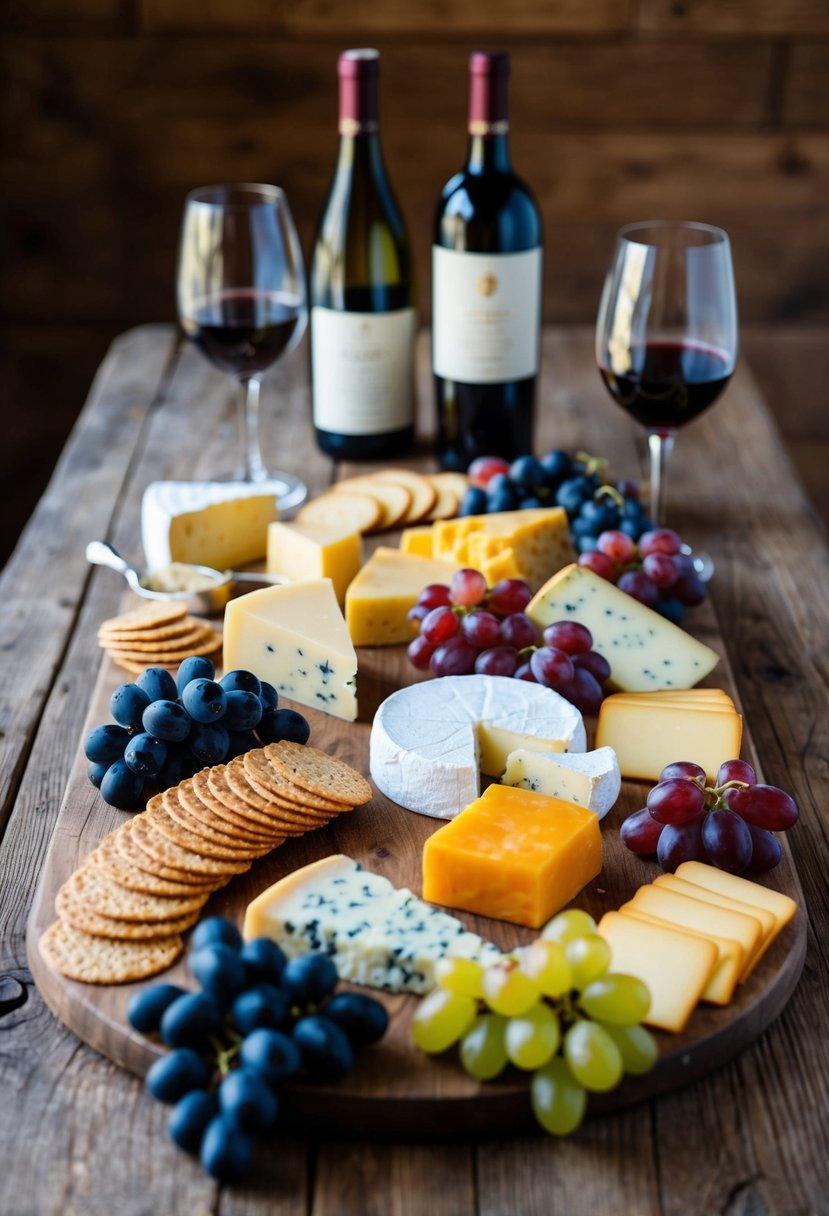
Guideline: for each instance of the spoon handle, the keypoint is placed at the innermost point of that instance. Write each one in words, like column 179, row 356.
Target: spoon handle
column 250, row 576
column 100, row 553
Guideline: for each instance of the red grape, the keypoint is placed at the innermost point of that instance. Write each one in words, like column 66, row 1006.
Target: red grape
column 680, row 842
column 618, row 546
column 509, row 595
column 420, row 652
column 595, row 663
column 552, row 667
column 454, row 658
column 498, row 661
column 661, row 569
column 736, row 770
column 468, row 587
column 684, row 564
column 416, row 614
column 640, row 832
column 485, row 467
column 569, row 636
column 628, row 488
column 661, row 540
column 676, row 800
column 525, row 672
column 766, row 850
column 439, row 625
column 682, row 768
column 436, row 595
column 481, row 629
column 689, row 590
column 519, row 631
column 637, row 584
column 727, row 841
column 599, row 563
column 584, row 692
column 765, row 806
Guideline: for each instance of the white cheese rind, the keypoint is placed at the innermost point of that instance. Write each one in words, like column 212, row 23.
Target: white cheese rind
column 165, row 502
column 425, row 749
column 591, row 780
column 377, row 934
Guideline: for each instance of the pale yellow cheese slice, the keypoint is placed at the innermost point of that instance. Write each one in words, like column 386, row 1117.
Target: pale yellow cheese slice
column 670, row 882
column 730, row 959
column 688, row 913
column 647, row 736
column 743, row 889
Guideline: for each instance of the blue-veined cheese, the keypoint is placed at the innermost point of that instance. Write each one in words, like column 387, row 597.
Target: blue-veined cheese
column 377, row 934
column 645, row 651
column 429, row 742
column 208, row 523
column 294, row 636
column 591, row 780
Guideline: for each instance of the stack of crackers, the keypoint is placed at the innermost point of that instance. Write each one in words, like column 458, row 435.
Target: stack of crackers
column 391, row 498
column 157, row 634
column 121, row 915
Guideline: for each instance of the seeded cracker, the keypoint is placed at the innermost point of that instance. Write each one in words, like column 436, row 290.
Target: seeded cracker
column 79, row 916
column 167, row 853
column 130, row 876
column 259, row 806
column 264, row 774
column 318, row 772
column 102, row 960
column 147, row 616
column 194, row 838
column 92, row 887
column 185, row 806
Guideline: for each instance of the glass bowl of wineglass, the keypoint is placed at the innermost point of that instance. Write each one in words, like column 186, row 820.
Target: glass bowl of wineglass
column 666, row 335
column 242, row 301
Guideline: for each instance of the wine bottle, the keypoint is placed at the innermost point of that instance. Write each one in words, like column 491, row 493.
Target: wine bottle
column 487, row 265
column 363, row 313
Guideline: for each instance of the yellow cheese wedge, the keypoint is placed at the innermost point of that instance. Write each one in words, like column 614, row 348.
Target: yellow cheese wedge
column 294, row 636
column 417, row 542
column 768, row 922
column 687, row 913
column 309, row 551
column 676, row 966
column 513, row 855
column 530, row 545
column 730, row 959
column 647, row 736
column 379, row 598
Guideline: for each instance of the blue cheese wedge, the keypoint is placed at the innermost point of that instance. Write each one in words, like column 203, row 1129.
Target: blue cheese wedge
column 206, row 523
column 645, row 651
column 591, row 780
column 295, row 637
column 377, row 934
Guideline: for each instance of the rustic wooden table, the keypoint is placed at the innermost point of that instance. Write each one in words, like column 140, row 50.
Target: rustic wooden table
column 77, row 1135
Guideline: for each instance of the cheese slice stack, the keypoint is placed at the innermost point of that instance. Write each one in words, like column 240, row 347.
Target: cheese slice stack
column 218, row 524
column 651, row 730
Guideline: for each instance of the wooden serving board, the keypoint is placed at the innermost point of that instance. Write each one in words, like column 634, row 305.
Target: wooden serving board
column 395, row 1089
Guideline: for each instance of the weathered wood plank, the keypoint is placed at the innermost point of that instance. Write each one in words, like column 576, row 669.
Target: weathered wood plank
column 787, row 18
column 806, row 98
column 65, row 16
column 394, row 1180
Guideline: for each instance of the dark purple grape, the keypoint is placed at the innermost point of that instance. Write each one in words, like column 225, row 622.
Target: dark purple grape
column 96, row 773
column 268, row 696
column 271, row 1054
column 264, row 961
column 219, row 969
column 680, row 842
column 106, row 744
column 481, row 629
column 689, row 590
column 176, row 1074
column 264, row 1005
column 309, row 977
column 595, row 663
column 241, row 681
column 727, row 841
column 766, row 850
column 473, row 502
column 519, row 631
column 553, row 668
column 190, row 1020
column 121, row 787
column 209, row 742
column 327, row 1054
column 167, row 720
column 189, row 1119
column 416, row 615
column 763, row 805
column 248, row 1101
column 454, row 658
column 498, row 661
column 127, row 704
column 204, row 700
column 736, row 770
column 226, row 1152
column 661, row 569
column 243, row 710
column 676, row 801
column 420, row 652
column 508, row 596
column 569, row 636
column 671, row 609
column 660, row 540
column 599, row 563
column 682, row 768
column 362, row 1017
column 640, row 832
column 158, row 684
column 216, row 929
column 525, row 672
column 146, row 755
column 145, row 1008
column 584, row 692
column 279, row 724
column 197, row 667
column 436, row 595
column 637, row 584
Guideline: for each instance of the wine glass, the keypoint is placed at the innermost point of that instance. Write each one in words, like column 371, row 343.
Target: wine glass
column 666, row 335
column 242, row 301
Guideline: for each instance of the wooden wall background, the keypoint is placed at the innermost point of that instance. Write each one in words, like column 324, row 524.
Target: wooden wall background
column 622, row 109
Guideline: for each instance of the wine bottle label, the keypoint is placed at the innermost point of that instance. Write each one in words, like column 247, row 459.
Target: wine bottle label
column 362, row 369
column 486, row 315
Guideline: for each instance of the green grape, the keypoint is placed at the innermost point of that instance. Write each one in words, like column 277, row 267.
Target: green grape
column 636, row 1045
column 546, row 963
column 621, row 999
column 483, row 1051
column 440, row 1020
column 558, row 1101
column 567, row 925
column 589, row 957
column 461, row 975
column 592, row 1056
column 533, row 1038
column 509, row 990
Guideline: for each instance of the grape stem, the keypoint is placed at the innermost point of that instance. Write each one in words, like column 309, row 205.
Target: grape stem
column 713, row 794
column 592, row 464
column 225, row 1055
column 612, row 493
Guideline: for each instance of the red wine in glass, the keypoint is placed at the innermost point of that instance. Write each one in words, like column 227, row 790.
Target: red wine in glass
column 244, row 331
column 669, row 383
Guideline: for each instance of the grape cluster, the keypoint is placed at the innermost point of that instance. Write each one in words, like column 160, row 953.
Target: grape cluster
column 575, row 483
column 166, row 729
column 655, row 571
column 466, row 627
column 558, row 1012
column 257, row 1021
column 729, row 825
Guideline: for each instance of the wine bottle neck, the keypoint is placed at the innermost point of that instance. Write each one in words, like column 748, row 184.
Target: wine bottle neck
column 488, row 112
column 490, row 151
column 361, row 151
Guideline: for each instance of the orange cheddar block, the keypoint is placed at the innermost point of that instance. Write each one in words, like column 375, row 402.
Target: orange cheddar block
column 513, row 855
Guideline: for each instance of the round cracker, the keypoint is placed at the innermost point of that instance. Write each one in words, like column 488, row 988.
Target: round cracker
column 196, row 633
column 394, row 499
column 188, row 807
column 167, row 853
column 147, row 616
column 92, row 886
column 130, row 876
column 139, row 858
column 318, row 772
column 195, row 842
column 260, row 771
column 423, row 493
column 103, row 960
column 260, row 805
column 448, row 497
column 163, row 633
column 72, row 911
column 196, row 823
column 362, row 512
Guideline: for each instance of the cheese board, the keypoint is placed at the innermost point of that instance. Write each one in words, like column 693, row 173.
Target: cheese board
column 395, row 1089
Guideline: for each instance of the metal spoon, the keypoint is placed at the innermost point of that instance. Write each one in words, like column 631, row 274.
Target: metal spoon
column 207, row 601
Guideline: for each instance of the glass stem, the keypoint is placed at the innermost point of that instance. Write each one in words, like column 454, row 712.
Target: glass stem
column 250, row 455
column 660, row 447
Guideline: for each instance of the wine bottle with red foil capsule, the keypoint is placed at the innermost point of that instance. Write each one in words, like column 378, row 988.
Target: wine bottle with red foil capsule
column 487, row 265
column 362, row 294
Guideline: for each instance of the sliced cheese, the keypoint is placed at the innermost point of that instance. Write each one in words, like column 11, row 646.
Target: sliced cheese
column 429, row 741
column 529, row 544
column 730, row 959
column 645, row 651
column 768, row 922
column 379, row 598
column 218, row 524
column 676, row 966
column 513, row 855
column 648, row 736
column 294, row 636
column 591, row 780
column 377, row 934
column 743, row 889
column 311, row 551
column 685, row 913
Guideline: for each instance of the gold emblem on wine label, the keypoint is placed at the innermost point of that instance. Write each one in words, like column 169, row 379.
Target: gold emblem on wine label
column 487, row 285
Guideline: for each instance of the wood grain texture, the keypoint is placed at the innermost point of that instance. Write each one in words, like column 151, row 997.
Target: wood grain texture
column 806, row 99
column 786, row 18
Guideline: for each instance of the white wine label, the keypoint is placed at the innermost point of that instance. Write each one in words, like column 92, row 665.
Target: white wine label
column 362, row 369
column 486, row 315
